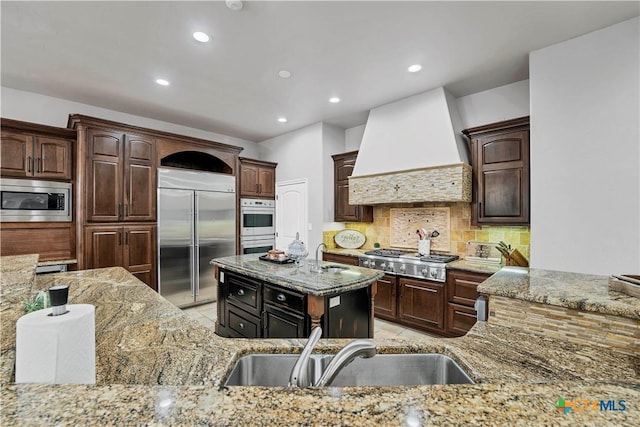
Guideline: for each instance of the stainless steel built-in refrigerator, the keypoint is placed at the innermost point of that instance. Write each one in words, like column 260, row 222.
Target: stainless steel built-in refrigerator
column 196, row 222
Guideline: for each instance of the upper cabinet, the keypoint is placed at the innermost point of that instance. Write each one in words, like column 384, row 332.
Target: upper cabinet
column 257, row 178
column 35, row 151
column 500, row 159
column 121, row 177
column 343, row 165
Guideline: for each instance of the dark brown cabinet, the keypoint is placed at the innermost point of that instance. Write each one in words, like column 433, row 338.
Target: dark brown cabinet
column 344, row 212
column 129, row 246
column 421, row 304
column 385, row 305
column 121, row 175
column 461, row 297
column 28, row 153
column 257, row 178
column 500, row 159
column 251, row 308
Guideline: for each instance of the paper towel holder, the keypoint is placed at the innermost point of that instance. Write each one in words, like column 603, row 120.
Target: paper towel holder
column 59, row 296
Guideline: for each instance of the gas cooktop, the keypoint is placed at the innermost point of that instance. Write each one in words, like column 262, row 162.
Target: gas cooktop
column 397, row 253
column 407, row 263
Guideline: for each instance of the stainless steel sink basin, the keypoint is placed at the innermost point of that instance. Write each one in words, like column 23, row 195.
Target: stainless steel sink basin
column 331, row 268
column 380, row 370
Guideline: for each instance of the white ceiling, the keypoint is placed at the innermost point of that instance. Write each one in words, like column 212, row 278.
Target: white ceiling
column 108, row 54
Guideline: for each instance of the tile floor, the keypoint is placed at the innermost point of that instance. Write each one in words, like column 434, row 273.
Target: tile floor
column 206, row 314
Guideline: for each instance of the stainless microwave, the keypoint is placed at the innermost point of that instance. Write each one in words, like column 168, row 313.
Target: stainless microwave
column 28, row 200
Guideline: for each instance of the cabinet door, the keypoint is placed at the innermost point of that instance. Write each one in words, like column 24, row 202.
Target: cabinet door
column 462, row 286
column 422, row 303
column 139, row 254
column 17, row 155
column 103, row 247
column 139, row 179
column 280, row 323
column 104, row 176
column 344, row 168
column 249, row 180
column 52, row 158
column 385, row 304
column 267, row 182
column 343, row 210
column 502, row 175
column 460, row 319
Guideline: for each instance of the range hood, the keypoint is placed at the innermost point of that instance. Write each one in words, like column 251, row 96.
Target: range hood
column 412, row 151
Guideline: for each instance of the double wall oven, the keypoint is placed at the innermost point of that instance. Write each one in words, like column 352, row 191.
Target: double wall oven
column 257, row 225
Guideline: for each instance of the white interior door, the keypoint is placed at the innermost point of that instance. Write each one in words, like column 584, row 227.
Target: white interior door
column 291, row 212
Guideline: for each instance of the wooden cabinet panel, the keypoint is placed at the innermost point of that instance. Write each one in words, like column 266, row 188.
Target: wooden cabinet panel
column 242, row 324
column 52, row 240
column 500, row 158
column 385, row 304
column 257, row 178
column 131, row 247
column 343, row 168
column 422, row 303
column 244, row 293
column 460, row 319
column 104, row 176
column 17, row 155
column 53, row 158
column 340, row 259
column 139, row 179
column 25, row 155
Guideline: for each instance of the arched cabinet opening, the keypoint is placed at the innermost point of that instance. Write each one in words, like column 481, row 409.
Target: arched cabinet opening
column 196, row 160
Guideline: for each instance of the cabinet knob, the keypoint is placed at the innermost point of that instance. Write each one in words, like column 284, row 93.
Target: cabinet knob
column 241, row 325
column 281, row 297
column 240, row 292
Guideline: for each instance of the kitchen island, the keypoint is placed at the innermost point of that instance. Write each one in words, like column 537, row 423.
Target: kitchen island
column 263, row 299
column 157, row 366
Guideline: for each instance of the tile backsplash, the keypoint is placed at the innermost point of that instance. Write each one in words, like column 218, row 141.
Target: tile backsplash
column 461, row 229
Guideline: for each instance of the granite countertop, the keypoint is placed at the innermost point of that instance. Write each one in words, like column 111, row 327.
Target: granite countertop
column 57, row 262
column 157, row 366
column 300, row 278
column 474, row 266
column 582, row 292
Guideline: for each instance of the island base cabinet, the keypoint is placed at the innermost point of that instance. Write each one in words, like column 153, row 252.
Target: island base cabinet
column 251, row 308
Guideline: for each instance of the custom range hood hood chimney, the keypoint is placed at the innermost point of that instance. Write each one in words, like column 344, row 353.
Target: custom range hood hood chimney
column 412, row 151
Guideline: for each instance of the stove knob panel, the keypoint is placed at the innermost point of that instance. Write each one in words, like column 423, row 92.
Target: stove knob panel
column 425, row 272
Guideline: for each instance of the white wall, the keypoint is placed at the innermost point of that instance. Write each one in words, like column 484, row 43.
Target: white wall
column 353, row 138
column 585, row 153
column 299, row 155
column 46, row 110
column 494, row 105
column 333, row 141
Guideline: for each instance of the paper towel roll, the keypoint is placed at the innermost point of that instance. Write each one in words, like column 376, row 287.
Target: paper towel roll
column 57, row 349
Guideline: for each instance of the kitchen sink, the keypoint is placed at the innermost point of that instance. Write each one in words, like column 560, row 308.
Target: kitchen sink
column 272, row 370
column 331, row 268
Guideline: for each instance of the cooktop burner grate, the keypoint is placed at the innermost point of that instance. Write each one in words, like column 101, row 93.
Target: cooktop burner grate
column 391, row 253
column 440, row 258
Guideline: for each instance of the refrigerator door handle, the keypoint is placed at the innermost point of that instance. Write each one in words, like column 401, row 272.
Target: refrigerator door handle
column 192, row 247
column 196, row 255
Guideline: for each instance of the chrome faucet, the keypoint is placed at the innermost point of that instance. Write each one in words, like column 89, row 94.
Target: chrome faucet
column 317, row 249
column 300, row 373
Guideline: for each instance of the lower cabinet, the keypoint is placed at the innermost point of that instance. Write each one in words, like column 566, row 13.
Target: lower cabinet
column 421, row 304
column 252, row 308
column 445, row 309
column 385, row 305
column 462, row 292
column 130, row 246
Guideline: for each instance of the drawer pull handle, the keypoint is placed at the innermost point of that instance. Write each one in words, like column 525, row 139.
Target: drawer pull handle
column 241, row 325
column 240, row 292
column 281, row 298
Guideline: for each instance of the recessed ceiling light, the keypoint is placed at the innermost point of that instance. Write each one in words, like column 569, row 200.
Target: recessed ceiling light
column 201, row 37
column 284, row 74
column 415, row 68
column 334, row 100
column 282, row 119
column 162, row 82
column 234, row 5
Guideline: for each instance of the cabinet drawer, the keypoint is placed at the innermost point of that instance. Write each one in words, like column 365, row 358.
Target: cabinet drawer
column 284, row 297
column 462, row 287
column 244, row 293
column 460, row 319
column 243, row 324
